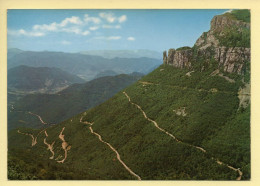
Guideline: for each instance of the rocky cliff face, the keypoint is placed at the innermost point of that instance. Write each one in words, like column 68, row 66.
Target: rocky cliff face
column 208, row 46
column 232, row 59
column 180, row 59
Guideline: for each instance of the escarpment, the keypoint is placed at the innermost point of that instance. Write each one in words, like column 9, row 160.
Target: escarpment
column 226, row 46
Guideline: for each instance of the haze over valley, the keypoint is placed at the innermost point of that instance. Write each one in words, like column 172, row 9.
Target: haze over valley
column 129, row 95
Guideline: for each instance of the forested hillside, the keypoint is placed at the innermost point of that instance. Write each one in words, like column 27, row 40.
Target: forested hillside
column 189, row 119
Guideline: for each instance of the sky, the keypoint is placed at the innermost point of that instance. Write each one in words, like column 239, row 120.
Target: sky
column 82, row 30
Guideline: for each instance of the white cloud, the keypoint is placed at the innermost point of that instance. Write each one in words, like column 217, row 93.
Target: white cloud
column 114, row 38
column 73, row 20
column 59, row 27
column 111, row 26
column 131, row 39
column 111, row 18
column 74, row 30
column 74, row 25
column 50, row 27
column 94, row 20
column 122, row 19
column 108, row 38
column 25, row 33
column 93, row 28
column 65, row 42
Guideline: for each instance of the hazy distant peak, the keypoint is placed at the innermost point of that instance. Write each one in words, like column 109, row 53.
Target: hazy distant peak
column 124, row 53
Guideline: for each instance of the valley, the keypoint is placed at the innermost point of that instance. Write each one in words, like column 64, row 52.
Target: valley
column 187, row 118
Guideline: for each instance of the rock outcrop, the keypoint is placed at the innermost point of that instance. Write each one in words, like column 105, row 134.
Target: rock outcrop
column 164, row 57
column 180, row 59
column 221, row 21
column 207, row 46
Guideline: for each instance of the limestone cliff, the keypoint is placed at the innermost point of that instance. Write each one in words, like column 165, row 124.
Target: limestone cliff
column 227, row 43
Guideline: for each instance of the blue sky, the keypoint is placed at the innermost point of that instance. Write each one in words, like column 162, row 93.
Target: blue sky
column 81, row 30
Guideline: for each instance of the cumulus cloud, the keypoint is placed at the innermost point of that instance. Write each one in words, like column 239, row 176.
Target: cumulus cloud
column 74, row 30
column 72, row 20
column 75, row 25
column 94, row 20
column 122, row 19
column 130, row 38
column 50, row 27
column 111, row 26
column 111, row 18
column 58, row 26
column 68, row 25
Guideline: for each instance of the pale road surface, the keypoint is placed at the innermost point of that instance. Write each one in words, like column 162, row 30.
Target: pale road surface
column 111, row 147
column 64, row 146
column 38, row 117
column 179, row 141
column 49, row 146
column 34, row 140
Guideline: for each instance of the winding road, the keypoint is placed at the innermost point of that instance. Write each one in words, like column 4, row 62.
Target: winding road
column 34, row 140
column 111, row 147
column 49, row 146
column 64, row 146
column 38, row 117
column 179, row 141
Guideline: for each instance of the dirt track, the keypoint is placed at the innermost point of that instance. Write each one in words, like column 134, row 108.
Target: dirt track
column 49, row 146
column 179, row 141
column 34, row 139
column 64, row 146
column 38, row 117
column 111, row 147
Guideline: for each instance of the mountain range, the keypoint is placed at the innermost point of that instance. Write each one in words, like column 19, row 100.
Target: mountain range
column 39, row 79
column 84, row 66
column 189, row 119
column 110, row 54
column 68, row 102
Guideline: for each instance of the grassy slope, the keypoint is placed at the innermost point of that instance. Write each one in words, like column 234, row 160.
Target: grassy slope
column 212, row 123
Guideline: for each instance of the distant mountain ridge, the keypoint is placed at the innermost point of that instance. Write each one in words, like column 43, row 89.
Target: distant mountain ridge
column 40, row 79
column 106, row 73
column 189, row 119
column 110, row 54
column 13, row 51
column 70, row 101
column 85, row 66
